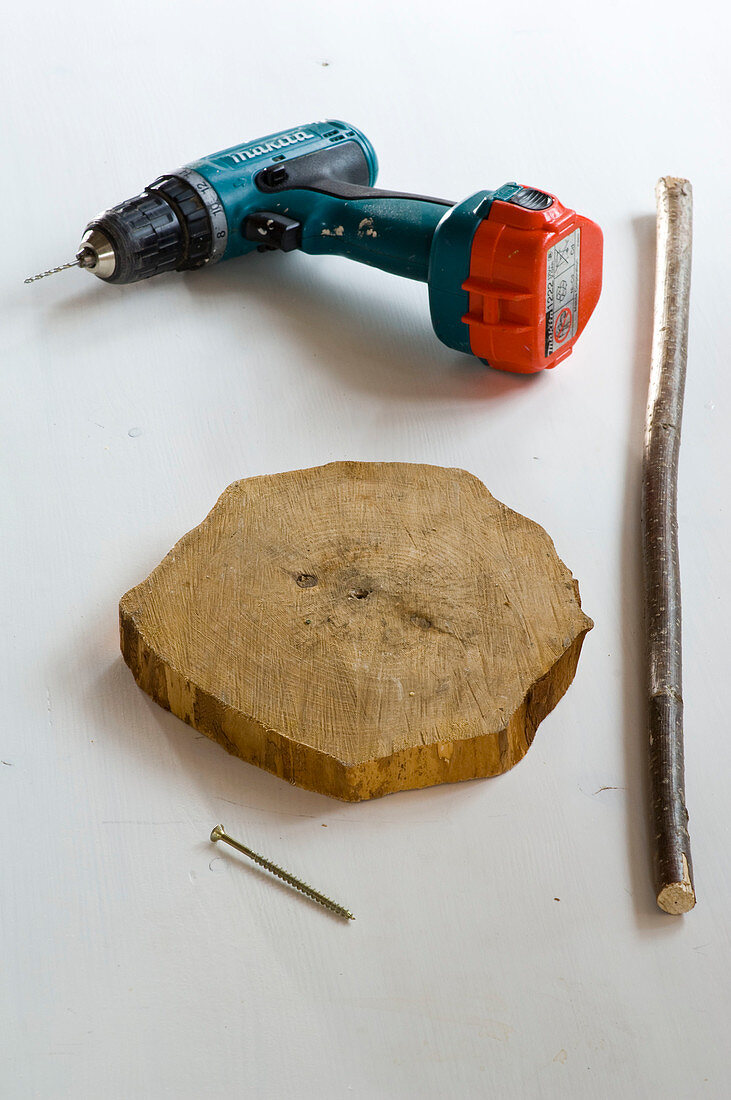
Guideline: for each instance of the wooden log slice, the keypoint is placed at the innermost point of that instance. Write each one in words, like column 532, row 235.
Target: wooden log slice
column 360, row 628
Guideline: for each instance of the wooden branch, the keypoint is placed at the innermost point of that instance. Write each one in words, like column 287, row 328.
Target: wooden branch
column 671, row 842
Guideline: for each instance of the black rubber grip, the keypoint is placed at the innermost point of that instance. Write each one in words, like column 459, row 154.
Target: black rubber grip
column 341, row 170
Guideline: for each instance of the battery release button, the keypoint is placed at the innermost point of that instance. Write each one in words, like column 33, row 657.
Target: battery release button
column 531, row 199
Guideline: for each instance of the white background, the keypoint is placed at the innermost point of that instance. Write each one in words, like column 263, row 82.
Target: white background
column 507, row 941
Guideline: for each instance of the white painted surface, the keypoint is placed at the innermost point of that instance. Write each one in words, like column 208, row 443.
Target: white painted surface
column 137, row 961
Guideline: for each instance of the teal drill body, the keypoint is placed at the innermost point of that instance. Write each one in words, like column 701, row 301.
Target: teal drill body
column 330, row 223
column 390, row 231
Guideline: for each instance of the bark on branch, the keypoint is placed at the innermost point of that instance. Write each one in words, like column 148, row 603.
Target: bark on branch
column 672, row 860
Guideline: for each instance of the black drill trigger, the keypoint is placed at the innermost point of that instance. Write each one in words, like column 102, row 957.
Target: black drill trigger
column 273, row 231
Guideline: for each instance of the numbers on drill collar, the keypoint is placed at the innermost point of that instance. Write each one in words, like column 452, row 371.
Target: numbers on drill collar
column 214, row 207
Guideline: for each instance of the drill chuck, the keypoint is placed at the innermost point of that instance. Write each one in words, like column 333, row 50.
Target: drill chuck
column 166, row 228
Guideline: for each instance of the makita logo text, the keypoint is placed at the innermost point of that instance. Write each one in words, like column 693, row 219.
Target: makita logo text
column 242, row 155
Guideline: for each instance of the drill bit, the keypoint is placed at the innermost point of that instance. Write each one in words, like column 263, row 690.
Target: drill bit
column 219, row 833
column 52, row 270
column 85, row 257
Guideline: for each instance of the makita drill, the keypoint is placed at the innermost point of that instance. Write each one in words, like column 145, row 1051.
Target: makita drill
column 513, row 275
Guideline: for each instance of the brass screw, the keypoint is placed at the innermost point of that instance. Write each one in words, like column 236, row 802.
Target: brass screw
column 219, row 833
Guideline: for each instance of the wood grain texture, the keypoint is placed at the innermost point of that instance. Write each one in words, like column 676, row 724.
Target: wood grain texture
column 360, row 628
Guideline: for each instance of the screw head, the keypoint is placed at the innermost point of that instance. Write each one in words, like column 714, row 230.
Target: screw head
column 217, row 833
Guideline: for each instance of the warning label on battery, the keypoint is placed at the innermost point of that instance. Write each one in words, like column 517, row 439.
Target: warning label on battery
column 562, row 291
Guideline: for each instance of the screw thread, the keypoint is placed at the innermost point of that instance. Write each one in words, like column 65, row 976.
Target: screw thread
column 328, row 903
column 274, row 869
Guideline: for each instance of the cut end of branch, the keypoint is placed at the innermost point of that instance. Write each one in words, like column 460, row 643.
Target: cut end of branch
column 676, row 898
column 673, row 183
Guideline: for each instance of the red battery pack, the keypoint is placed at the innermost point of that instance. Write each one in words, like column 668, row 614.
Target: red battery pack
column 535, row 278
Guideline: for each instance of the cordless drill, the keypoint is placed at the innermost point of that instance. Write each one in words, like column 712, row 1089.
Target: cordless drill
column 513, row 275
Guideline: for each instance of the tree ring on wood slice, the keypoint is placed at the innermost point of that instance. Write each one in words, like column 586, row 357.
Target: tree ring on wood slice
column 360, row 628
